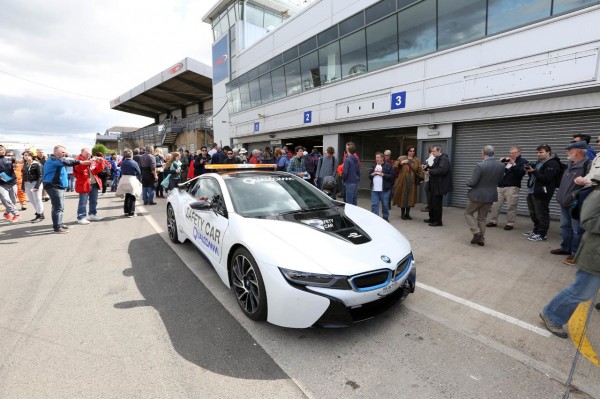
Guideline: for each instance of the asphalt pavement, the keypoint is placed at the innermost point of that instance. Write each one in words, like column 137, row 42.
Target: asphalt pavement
column 113, row 309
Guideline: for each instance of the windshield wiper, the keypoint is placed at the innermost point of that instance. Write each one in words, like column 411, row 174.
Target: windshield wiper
column 304, row 210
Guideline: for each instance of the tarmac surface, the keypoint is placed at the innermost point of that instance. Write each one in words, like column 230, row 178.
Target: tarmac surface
column 113, row 310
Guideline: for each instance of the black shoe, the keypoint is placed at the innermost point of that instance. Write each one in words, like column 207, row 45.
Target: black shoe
column 435, row 224
column 145, row 202
column 491, row 224
column 559, row 251
column 64, row 227
column 408, row 217
column 152, row 203
column 507, row 227
column 427, row 220
column 37, row 215
column 403, row 217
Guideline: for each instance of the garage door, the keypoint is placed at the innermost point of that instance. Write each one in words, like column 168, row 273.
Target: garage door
column 555, row 130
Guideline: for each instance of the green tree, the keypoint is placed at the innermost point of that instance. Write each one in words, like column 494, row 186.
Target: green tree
column 99, row 148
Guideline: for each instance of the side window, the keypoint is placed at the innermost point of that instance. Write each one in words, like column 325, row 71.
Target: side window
column 208, row 189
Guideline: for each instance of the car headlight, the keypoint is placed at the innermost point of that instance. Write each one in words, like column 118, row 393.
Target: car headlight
column 316, row 280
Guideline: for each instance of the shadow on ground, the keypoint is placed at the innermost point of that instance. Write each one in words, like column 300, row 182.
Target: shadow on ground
column 201, row 330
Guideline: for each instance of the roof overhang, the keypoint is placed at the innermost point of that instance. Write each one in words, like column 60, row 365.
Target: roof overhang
column 187, row 82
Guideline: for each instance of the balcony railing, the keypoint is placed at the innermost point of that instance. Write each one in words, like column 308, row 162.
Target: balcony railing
column 156, row 134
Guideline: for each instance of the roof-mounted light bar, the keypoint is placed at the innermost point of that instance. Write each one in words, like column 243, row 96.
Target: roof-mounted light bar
column 241, row 166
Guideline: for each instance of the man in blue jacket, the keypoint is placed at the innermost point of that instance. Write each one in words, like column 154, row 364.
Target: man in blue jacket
column 351, row 175
column 56, row 182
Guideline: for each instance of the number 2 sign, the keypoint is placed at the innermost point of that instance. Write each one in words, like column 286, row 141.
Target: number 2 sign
column 399, row 100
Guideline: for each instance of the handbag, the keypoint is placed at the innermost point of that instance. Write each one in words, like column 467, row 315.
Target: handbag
column 166, row 181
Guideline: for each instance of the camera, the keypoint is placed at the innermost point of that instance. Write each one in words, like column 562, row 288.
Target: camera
column 505, row 160
column 528, row 165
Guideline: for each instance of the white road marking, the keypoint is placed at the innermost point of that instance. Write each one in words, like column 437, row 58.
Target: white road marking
column 483, row 309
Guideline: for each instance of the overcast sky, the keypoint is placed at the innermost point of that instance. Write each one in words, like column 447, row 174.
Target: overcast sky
column 62, row 61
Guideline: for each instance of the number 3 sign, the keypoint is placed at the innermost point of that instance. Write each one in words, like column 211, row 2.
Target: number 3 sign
column 399, row 100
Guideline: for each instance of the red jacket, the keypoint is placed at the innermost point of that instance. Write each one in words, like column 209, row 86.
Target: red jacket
column 82, row 174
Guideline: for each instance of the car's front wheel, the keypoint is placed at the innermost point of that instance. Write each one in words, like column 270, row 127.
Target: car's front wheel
column 172, row 224
column 248, row 285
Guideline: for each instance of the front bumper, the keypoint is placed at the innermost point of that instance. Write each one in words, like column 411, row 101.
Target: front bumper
column 339, row 315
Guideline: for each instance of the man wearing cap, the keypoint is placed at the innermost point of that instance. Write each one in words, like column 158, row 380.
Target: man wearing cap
column 570, row 229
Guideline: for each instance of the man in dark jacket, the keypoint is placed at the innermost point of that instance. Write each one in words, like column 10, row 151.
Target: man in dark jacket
column 540, row 189
column 351, row 175
column 570, row 229
column 482, row 193
column 440, row 184
column 509, row 188
column 382, row 179
column 200, row 161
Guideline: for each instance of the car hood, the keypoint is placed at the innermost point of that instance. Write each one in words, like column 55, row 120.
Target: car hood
column 304, row 248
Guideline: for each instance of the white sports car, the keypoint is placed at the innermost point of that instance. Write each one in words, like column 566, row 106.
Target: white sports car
column 293, row 256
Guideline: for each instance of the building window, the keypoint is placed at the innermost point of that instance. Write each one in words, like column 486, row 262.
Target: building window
column 382, row 44
column 293, row 79
column 416, row 30
column 354, row 54
column 308, row 45
column 309, row 67
column 353, row 23
column 264, row 68
column 460, row 21
column 328, row 36
column 561, row 6
column 380, row 10
column 236, row 101
column 278, row 83
column 272, row 21
column 266, row 90
column 329, row 63
column 291, row 54
column 507, row 14
column 254, row 88
column 245, row 97
column 254, row 15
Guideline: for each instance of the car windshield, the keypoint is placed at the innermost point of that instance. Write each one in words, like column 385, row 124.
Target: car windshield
column 256, row 195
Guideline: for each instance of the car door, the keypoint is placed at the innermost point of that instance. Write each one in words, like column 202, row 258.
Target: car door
column 207, row 227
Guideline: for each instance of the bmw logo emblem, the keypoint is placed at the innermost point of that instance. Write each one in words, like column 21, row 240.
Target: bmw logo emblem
column 385, row 259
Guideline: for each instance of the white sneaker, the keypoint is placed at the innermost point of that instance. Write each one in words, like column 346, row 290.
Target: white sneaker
column 83, row 221
column 96, row 218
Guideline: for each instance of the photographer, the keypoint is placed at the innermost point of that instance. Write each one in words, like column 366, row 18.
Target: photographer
column 540, row 189
column 509, row 187
column 200, row 160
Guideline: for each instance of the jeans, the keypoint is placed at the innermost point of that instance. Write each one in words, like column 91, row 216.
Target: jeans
column 9, row 198
column 539, row 212
column 570, row 231
column 35, row 197
column 560, row 309
column 351, row 193
column 71, row 180
column 92, row 197
column 147, row 195
column 384, row 198
column 57, row 199
column 115, row 182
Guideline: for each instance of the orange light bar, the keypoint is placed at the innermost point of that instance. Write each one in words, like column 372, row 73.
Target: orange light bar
column 241, row 166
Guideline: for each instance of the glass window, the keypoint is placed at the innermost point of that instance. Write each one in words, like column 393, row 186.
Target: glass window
column 266, row 90
column 380, row 10
column 263, row 68
column 224, row 25
column 405, row 3
column 278, row 83
column 254, row 88
column 254, row 15
column 276, row 61
column 382, row 44
column 291, row 54
column 309, row 67
column 506, row 14
column 354, row 54
column 253, row 73
column 416, row 30
column 293, row 79
column 327, row 36
column 231, row 13
column 568, row 5
column 353, row 23
column 243, row 79
column 272, row 21
column 308, row 45
column 217, row 29
column 460, row 21
column 329, row 63
column 244, row 97
column 236, row 101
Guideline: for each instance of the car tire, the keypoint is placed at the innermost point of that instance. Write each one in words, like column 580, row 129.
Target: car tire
column 248, row 285
column 172, row 225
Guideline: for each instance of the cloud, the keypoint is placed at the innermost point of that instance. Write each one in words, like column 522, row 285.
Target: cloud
column 96, row 48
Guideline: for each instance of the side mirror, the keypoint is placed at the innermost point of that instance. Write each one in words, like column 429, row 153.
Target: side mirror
column 201, row 205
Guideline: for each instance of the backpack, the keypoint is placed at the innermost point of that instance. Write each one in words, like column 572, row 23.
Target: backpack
column 561, row 171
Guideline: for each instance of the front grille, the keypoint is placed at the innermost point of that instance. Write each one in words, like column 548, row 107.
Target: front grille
column 371, row 281
column 402, row 267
